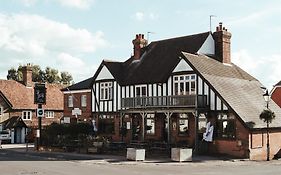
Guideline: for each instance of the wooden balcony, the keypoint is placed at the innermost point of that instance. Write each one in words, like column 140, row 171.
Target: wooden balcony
column 175, row 101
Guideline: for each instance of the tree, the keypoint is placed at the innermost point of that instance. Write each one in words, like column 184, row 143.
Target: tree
column 267, row 116
column 66, row 78
column 38, row 75
column 12, row 74
column 52, row 75
column 49, row 75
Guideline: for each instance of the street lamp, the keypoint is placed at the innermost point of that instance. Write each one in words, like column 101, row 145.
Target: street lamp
column 266, row 97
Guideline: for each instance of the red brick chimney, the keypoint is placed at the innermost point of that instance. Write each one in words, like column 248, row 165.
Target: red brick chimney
column 139, row 42
column 222, row 44
column 27, row 75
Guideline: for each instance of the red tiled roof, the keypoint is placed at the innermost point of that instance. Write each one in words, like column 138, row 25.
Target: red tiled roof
column 22, row 97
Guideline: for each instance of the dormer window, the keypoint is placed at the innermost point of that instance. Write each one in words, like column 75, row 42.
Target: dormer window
column 106, row 91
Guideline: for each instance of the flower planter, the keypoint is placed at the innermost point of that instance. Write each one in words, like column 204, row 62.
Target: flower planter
column 135, row 154
column 181, row 154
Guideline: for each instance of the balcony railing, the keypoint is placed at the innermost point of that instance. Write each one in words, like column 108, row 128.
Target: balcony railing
column 164, row 101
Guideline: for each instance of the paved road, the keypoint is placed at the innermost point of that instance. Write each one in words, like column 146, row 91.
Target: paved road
column 15, row 162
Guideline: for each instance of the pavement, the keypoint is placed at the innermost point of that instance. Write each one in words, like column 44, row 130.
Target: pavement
column 29, row 150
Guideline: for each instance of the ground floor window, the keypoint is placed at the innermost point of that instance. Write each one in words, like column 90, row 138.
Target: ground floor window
column 183, row 124
column 49, row 114
column 225, row 126
column 150, row 124
column 26, row 115
column 106, row 124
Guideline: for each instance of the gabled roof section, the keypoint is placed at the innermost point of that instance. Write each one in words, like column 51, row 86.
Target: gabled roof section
column 157, row 62
column 14, row 122
column 241, row 91
column 85, row 84
column 22, row 97
column 115, row 68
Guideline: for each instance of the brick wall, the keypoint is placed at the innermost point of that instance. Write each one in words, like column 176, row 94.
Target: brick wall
column 86, row 111
column 237, row 147
column 258, row 140
column 276, row 96
column 33, row 123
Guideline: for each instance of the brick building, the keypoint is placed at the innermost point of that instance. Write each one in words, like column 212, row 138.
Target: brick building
column 17, row 99
column 173, row 90
column 78, row 102
column 276, row 94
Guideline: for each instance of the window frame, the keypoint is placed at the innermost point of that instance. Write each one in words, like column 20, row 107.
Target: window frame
column 183, row 117
column 152, row 131
column 83, row 100
column 24, row 115
column 70, row 101
column 184, row 84
column 142, row 89
column 106, row 120
column 222, row 132
column 106, row 89
column 47, row 114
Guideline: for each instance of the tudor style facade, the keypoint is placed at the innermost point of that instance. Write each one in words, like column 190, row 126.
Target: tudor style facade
column 168, row 91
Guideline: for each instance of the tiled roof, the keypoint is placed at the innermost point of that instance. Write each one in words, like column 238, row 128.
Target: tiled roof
column 241, row 91
column 22, row 97
column 85, row 84
column 157, row 62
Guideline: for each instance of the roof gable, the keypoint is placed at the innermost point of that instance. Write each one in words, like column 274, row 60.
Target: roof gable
column 104, row 74
column 14, row 122
column 238, row 89
column 182, row 66
column 208, row 47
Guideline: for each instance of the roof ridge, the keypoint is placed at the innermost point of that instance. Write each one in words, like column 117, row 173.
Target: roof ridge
column 180, row 37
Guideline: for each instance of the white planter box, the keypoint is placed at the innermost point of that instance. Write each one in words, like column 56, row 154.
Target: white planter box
column 135, row 154
column 181, row 154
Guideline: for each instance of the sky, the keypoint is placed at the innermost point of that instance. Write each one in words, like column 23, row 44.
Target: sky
column 76, row 35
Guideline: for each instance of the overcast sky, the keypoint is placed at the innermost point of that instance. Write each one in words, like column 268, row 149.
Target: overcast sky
column 76, row 35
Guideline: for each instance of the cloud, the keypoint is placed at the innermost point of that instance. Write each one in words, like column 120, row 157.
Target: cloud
column 254, row 18
column 28, row 3
column 27, row 38
column 80, row 4
column 141, row 16
column 265, row 68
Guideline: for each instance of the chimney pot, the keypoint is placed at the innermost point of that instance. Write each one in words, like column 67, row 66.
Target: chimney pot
column 139, row 43
column 217, row 28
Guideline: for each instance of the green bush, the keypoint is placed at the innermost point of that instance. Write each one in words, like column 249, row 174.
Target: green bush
column 64, row 134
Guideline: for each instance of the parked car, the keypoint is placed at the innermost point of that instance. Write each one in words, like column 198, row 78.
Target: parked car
column 5, row 136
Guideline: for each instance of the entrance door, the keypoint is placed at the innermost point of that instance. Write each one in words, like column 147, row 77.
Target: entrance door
column 164, row 129
column 18, row 135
